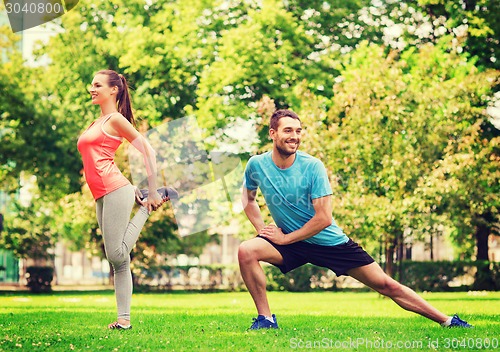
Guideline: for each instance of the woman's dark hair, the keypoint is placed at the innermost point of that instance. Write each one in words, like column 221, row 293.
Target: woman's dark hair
column 123, row 97
column 278, row 114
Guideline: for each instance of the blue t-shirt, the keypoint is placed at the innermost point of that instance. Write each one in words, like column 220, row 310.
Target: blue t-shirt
column 289, row 193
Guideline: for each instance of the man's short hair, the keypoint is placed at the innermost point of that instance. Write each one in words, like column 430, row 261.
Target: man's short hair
column 278, row 114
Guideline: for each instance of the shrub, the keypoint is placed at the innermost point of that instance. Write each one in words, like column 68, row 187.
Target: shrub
column 421, row 276
column 447, row 276
column 303, row 279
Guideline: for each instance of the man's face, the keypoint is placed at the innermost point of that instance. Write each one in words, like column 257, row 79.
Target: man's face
column 287, row 137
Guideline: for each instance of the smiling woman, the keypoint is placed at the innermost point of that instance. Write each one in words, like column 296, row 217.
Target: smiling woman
column 113, row 193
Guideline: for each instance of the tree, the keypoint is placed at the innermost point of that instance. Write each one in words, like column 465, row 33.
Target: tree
column 475, row 22
column 217, row 60
column 391, row 121
column 31, row 145
column 171, row 52
column 29, row 234
column 467, row 180
column 76, row 53
column 31, row 140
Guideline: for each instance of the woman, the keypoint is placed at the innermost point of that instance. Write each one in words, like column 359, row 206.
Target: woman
column 112, row 191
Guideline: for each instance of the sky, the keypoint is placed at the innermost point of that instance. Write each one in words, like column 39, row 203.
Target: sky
column 30, row 39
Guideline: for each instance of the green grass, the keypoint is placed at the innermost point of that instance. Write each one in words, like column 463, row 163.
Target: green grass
column 218, row 322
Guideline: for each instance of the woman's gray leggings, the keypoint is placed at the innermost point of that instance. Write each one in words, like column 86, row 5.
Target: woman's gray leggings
column 120, row 234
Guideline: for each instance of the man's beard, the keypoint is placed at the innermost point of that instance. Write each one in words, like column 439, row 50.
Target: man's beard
column 285, row 153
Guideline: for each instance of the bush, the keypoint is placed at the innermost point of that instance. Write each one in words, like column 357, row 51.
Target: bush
column 303, row 279
column 189, row 277
column 448, row 276
column 39, row 278
column 487, row 276
column 421, row 276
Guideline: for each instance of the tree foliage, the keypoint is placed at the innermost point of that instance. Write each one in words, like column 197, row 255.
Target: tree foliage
column 29, row 234
column 474, row 20
column 31, row 140
column 392, row 95
column 395, row 122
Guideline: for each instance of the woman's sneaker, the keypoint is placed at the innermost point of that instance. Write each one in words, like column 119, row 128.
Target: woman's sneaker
column 164, row 192
column 117, row 326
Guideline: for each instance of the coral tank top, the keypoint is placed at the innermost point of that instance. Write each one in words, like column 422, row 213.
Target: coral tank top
column 98, row 152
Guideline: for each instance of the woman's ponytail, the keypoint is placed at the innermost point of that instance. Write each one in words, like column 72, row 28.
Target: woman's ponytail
column 124, row 101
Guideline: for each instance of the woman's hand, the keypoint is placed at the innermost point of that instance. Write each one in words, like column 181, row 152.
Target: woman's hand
column 138, row 197
column 154, row 201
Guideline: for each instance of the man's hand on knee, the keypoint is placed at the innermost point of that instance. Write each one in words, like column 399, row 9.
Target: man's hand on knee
column 273, row 234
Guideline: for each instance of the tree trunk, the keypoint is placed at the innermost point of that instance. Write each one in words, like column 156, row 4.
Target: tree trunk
column 483, row 280
column 400, row 251
column 482, row 234
column 390, row 249
column 431, row 246
column 389, row 254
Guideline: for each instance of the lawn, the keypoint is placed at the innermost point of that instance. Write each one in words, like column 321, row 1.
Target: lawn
column 218, row 322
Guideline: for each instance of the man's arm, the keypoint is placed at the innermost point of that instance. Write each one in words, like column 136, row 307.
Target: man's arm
column 321, row 220
column 252, row 209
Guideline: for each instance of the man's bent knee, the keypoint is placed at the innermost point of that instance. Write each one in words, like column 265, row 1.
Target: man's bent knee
column 246, row 252
column 258, row 249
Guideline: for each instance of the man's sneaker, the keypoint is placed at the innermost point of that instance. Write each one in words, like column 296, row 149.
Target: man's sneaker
column 262, row 323
column 163, row 191
column 456, row 322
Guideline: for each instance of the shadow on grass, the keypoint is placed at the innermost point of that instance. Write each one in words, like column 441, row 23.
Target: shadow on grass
column 471, row 298
column 111, row 291
column 55, row 293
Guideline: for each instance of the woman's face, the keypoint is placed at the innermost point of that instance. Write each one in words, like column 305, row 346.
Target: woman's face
column 100, row 91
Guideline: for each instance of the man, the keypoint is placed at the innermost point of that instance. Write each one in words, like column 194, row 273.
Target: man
column 298, row 194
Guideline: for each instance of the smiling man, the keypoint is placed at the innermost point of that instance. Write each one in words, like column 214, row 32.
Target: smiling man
column 297, row 191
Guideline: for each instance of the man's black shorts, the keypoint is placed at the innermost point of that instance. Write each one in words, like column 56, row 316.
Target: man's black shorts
column 339, row 259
